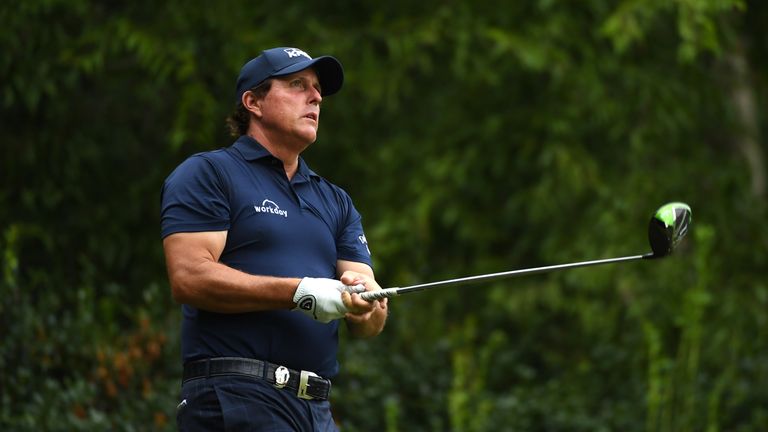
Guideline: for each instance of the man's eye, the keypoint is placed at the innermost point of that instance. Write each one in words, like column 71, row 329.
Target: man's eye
column 297, row 83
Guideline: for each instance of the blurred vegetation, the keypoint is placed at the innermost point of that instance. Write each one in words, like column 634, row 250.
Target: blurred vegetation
column 474, row 137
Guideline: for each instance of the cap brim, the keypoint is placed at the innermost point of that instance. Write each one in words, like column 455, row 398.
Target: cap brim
column 329, row 72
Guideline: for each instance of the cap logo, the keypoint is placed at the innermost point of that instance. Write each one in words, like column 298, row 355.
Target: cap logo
column 295, row 52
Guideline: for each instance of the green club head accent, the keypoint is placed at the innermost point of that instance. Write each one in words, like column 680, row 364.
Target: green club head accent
column 667, row 227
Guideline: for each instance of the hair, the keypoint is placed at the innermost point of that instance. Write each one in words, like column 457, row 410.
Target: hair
column 240, row 119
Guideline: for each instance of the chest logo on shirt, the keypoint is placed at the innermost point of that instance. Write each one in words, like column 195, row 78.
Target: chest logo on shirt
column 268, row 206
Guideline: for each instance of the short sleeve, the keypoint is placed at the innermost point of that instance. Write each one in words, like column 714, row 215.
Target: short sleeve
column 351, row 244
column 194, row 199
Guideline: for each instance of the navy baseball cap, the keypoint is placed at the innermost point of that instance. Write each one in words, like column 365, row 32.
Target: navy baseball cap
column 285, row 61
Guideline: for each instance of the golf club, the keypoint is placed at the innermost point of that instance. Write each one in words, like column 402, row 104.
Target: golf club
column 667, row 227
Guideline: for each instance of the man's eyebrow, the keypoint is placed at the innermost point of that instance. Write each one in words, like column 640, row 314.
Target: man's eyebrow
column 315, row 83
column 287, row 79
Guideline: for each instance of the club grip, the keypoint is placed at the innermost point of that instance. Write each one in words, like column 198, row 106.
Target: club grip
column 379, row 294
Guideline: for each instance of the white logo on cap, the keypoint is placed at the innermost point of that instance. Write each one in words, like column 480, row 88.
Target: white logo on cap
column 295, row 52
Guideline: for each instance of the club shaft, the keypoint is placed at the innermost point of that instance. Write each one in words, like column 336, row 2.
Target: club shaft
column 396, row 291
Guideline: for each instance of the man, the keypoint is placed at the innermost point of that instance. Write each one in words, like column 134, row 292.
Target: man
column 266, row 256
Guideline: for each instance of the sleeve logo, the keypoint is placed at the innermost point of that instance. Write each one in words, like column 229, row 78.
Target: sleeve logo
column 364, row 242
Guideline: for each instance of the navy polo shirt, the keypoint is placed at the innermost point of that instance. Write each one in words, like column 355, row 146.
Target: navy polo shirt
column 276, row 227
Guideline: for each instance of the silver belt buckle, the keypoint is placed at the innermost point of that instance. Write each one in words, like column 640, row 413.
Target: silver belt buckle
column 304, row 383
column 282, row 375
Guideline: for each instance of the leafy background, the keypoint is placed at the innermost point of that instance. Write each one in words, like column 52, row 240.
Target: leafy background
column 474, row 137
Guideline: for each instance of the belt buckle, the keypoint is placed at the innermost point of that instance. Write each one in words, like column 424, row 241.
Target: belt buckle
column 304, row 383
column 282, row 375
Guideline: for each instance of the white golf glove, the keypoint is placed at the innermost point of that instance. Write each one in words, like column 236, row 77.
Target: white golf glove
column 321, row 298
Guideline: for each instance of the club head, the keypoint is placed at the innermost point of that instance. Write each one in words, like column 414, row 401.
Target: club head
column 667, row 227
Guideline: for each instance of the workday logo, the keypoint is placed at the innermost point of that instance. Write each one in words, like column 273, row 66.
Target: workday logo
column 268, row 206
column 295, row 52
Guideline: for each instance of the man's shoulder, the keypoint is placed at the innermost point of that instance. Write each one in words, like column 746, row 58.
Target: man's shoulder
column 207, row 159
column 218, row 154
column 206, row 164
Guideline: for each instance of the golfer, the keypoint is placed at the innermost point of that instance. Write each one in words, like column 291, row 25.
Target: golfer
column 265, row 257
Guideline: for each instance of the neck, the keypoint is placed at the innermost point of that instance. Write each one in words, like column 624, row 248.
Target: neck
column 287, row 154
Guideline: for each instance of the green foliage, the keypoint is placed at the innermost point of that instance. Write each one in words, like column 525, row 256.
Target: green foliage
column 474, row 137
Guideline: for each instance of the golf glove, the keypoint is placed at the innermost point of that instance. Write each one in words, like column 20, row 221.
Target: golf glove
column 321, row 298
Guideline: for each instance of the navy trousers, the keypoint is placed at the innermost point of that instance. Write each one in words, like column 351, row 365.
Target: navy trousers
column 234, row 403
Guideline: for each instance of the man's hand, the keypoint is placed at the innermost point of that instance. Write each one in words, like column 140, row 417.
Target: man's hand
column 366, row 318
column 321, row 298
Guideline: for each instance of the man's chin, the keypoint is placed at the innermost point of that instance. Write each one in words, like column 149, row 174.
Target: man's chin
column 310, row 137
column 307, row 141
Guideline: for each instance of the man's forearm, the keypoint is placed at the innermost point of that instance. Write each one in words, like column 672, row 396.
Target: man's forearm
column 215, row 287
column 370, row 326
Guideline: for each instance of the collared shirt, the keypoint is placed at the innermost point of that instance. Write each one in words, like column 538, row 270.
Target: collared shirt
column 297, row 228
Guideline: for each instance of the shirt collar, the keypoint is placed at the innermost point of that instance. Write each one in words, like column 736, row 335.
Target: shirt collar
column 251, row 150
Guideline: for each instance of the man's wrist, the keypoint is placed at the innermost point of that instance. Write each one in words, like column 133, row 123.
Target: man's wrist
column 294, row 286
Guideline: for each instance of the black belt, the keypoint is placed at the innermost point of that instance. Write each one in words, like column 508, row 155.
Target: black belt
column 307, row 385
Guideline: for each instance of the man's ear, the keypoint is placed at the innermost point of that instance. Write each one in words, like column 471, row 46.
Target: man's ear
column 251, row 103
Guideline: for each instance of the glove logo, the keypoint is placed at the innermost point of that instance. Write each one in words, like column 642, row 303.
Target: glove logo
column 307, row 303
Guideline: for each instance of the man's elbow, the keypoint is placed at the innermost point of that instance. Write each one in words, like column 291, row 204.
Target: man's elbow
column 182, row 289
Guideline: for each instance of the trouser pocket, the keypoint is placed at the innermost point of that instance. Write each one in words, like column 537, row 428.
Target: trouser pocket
column 199, row 408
